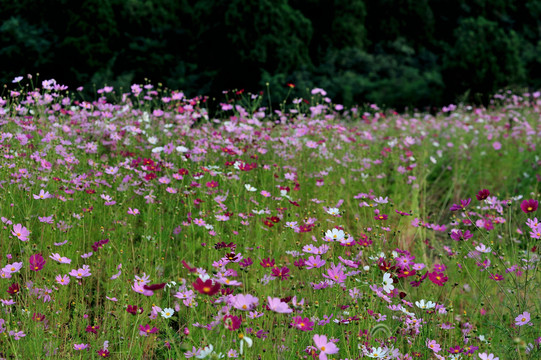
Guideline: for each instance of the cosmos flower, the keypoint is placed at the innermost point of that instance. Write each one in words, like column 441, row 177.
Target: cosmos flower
column 529, row 206
column 276, row 305
column 326, row 347
column 20, row 232
column 523, row 319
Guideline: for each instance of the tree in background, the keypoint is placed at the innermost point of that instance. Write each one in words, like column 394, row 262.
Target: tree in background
column 402, row 53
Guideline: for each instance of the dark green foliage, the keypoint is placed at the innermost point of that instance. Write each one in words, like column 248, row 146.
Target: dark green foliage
column 402, row 53
column 484, row 57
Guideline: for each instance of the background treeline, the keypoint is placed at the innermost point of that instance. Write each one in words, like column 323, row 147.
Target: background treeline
column 394, row 52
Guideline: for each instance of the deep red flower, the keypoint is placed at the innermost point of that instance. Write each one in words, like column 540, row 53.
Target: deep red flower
column 482, row 194
column 103, row 353
column 529, row 206
column 133, row 309
column 38, row 317
column 14, row 289
column 154, row 287
column 206, row 287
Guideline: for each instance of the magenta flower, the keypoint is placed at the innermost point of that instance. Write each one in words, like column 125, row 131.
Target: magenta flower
column 529, row 206
column 303, row 324
column 462, row 206
column 523, row 319
column 232, row 322
column 145, row 330
column 20, row 232
column 282, row 273
column 276, row 305
column 326, row 347
column 496, row 277
column 36, row 262
column 336, row 274
column 458, row 235
column 438, row 278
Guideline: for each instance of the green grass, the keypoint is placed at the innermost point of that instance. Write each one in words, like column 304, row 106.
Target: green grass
column 423, row 164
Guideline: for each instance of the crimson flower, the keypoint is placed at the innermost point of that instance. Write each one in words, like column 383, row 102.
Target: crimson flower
column 381, row 217
column 14, row 289
column 282, row 273
column 103, row 353
column 206, row 287
column 93, row 329
column 37, row 262
column 154, row 287
column 38, row 317
column 529, row 206
column 134, row 310
column 438, row 278
column 482, row 194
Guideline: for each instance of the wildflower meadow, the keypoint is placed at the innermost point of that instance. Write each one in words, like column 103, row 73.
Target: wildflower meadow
column 143, row 224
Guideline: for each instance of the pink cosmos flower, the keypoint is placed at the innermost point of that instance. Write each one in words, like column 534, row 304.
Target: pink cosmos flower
column 133, row 211
column 244, row 302
column 62, row 279
column 12, row 268
column 20, row 232
column 523, row 319
column 326, row 347
column 60, row 259
column 433, row 345
column 276, row 305
column 42, row 195
column 81, row 273
column 485, row 356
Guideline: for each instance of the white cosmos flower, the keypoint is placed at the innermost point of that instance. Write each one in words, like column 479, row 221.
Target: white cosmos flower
column 167, row 313
column 387, row 283
column 425, row 305
column 335, row 234
column 333, row 211
column 250, row 187
column 482, row 248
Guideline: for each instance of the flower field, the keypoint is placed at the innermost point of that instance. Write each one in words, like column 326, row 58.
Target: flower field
column 138, row 225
